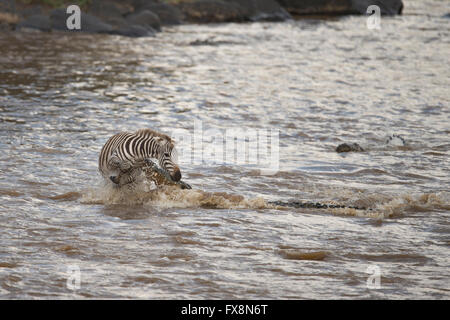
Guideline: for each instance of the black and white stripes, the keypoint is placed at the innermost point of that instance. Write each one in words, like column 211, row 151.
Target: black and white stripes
column 123, row 154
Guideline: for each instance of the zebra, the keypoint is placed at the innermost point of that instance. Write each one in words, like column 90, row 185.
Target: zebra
column 124, row 154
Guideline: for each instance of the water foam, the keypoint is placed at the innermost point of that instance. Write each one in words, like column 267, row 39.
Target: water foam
column 379, row 205
column 382, row 206
column 167, row 197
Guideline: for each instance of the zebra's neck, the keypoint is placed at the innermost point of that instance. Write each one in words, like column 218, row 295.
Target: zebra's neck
column 152, row 150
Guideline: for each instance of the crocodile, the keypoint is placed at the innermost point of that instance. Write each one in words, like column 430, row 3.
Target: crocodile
column 148, row 170
column 348, row 147
column 394, row 139
column 161, row 177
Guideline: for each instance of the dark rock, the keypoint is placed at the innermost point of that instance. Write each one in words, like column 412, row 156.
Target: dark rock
column 8, row 15
column 340, row 7
column 140, row 4
column 345, row 147
column 203, row 11
column 89, row 23
column 141, row 24
column 168, row 15
column 8, row 6
column 124, row 7
column 146, row 19
column 31, row 11
column 37, row 21
column 109, row 12
column 5, row 27
column 446, row 15
column 134, row 31
column 387, row 7
column 317, row 7
column 262, row 10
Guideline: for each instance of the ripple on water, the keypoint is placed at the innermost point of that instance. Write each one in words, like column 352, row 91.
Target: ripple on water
column 296, row 254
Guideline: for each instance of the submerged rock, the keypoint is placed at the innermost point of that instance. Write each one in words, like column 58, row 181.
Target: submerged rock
column 340, row 7
column 134, row 31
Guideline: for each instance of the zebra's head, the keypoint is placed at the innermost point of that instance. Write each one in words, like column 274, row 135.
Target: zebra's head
column 168, row 159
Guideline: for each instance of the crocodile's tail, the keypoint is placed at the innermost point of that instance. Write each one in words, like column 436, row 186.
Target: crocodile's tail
column 316, row 205
column 161, row 177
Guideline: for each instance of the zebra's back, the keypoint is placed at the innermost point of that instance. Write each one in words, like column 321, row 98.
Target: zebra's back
column 123, row 150
column 109, row 149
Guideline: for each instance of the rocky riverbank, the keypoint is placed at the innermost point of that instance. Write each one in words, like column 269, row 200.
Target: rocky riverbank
column 137, row 18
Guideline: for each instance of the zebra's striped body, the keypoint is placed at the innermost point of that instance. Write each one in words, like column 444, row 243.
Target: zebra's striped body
column 124, row 154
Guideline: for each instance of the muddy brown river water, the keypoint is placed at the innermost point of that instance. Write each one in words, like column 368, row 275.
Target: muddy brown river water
column 315, row 83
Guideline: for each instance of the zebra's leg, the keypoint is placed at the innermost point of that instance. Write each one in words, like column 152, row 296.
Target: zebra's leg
column 126, row 177
column 115, row 164
column 125, row 166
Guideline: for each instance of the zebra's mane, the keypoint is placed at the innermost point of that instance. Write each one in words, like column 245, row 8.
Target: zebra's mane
column 150, row 132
